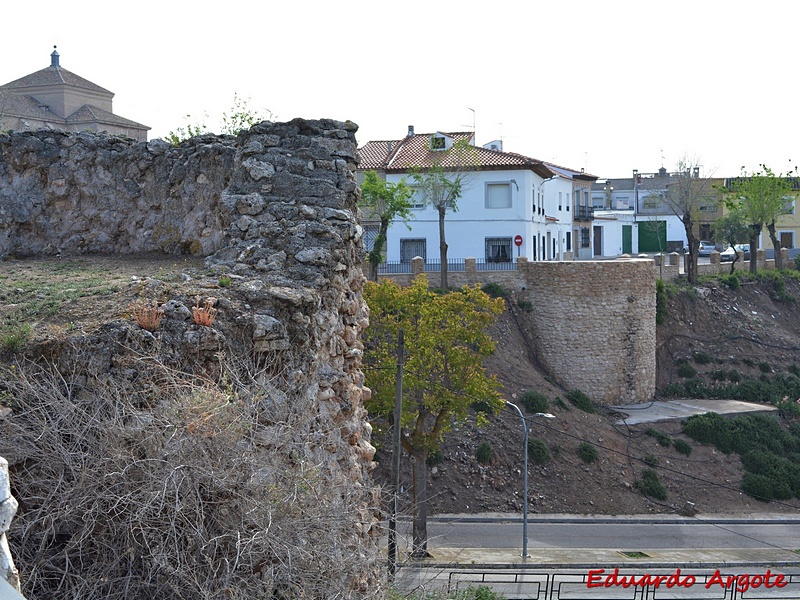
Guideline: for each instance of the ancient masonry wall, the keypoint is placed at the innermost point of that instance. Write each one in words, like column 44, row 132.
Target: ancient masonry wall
column 592, row 323
column 593, row 326
column 8, row 508
column 277, row 206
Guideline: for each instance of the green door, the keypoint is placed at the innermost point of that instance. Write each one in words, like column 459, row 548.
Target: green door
column 652, row 236
column 627, row 239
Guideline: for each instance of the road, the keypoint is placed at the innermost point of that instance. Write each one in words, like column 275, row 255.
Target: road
column 623, row 535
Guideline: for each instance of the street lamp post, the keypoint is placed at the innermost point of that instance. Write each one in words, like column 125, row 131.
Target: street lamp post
column 525, row 485
column 525, row 475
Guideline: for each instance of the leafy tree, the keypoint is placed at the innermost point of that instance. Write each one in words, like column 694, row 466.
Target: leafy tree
column 387, row 202
column 445, row 343
column 685, row 194
column 762, row 197
column 441, row 186
column 731, row 229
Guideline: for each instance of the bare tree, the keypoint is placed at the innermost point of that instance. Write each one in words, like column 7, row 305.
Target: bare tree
column 685, row 193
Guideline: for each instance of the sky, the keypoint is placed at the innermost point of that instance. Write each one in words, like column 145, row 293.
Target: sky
column 608, row 86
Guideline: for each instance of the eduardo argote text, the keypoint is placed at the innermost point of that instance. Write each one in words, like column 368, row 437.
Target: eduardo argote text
column 597, row 578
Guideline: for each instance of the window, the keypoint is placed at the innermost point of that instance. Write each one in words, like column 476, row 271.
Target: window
column 417, row 200
column 569, row 241
column 650, row 202
column 412, row 248
column 437, row 142
column 498, row 249
column 559, row 201
column 584, row 237
column 370, row 234
column 498, row 195
column 786, row 238
column 788, row 206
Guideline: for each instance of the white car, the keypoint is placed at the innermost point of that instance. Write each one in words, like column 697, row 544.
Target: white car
column 729, row 254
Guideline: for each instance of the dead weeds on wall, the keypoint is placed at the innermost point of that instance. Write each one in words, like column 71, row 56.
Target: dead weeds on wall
column 187, row 497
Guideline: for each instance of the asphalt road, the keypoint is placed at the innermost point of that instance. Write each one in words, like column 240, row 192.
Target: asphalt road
column 621, row 536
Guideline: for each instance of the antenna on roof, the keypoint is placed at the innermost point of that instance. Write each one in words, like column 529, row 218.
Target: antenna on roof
column 54, row 57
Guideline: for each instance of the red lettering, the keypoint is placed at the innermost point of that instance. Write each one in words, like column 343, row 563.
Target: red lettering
column 689, row 580
column 767, row 575
column 715, row 579
column 779, row 581
column 674, row 579
column 611, row 580
column 595, row 575
column 756, row 581
column 656, row 581
column 743, row 583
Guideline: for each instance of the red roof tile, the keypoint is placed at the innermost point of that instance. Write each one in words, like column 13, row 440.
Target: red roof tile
column 414, row 151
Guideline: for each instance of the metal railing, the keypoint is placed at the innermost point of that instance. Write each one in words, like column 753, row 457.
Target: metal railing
column 453, row 265
column 394, row 267
column 583, row 213
column 491, row 265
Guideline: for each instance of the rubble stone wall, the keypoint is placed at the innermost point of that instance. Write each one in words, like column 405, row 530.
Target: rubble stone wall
column 276, row 206
column 8, row 508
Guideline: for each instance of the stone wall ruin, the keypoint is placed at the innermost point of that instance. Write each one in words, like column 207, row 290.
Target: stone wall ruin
column 276, row 207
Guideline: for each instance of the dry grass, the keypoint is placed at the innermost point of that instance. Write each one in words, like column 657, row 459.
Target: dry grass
column 206, row 314
column 186, row 489
column 147, row 315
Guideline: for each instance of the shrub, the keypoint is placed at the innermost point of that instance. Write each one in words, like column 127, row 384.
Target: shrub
column 224, row 281
column 731, row 280
column 682, row 447
column 535, row 401
column 587, row 452
column 435, row 457
column 147, row 315
column 482, row 406
column 662, row 438
column 525, row 305
column 661, row 301
column 651, row 461
column 764, row 367
column 703, row 358
column 797, row 262
column 538, row 453
column 686, row 371
column 206, row 314
column 793, row 368
column 495, row 290
column 484, row 453
column 673, row 390
column 650, row 485
column 580, row 401
column 561, row 404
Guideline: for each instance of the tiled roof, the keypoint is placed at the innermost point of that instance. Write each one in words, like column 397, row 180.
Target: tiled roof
column 14, row 105
column 54, row 75
column 399, row 156
column 571, row 173
column 92, row 114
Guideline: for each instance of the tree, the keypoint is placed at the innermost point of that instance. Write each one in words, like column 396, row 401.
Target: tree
column 731, row 229
column 445, row 343
column 762, row 197
column 441, row 186
column 684, row 196
column 387, row 202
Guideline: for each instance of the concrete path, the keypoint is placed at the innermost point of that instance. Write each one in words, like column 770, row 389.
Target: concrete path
column 650, row 412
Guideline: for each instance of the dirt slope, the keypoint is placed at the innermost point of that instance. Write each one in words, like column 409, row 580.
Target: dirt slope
column 740, row 329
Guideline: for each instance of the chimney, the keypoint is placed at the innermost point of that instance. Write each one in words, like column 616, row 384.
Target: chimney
column 54, row 58
column 410, row 130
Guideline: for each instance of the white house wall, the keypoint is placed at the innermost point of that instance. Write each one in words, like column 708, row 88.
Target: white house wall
column 468, row 227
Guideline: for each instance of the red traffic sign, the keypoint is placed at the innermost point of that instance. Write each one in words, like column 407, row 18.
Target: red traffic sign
column 518, row 240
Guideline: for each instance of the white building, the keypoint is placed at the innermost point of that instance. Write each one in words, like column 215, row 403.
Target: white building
column 511, row 205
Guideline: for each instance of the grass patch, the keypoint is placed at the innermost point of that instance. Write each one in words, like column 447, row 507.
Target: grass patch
column 662, row 438
column 535, row 402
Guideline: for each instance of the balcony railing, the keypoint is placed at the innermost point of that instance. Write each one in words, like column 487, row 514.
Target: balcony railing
column 583, row 213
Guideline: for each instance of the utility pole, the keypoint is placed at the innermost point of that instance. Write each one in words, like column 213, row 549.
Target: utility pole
column 398, row 411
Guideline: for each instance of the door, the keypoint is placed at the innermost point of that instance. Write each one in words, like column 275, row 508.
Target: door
column 627, row 239
column 787, row 239
column 598, row 240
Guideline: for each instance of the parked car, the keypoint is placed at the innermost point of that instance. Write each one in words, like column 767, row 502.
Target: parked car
column 729, row 254
column 706, row 248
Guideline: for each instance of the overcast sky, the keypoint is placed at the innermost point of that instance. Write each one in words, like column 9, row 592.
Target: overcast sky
column 609, row 86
